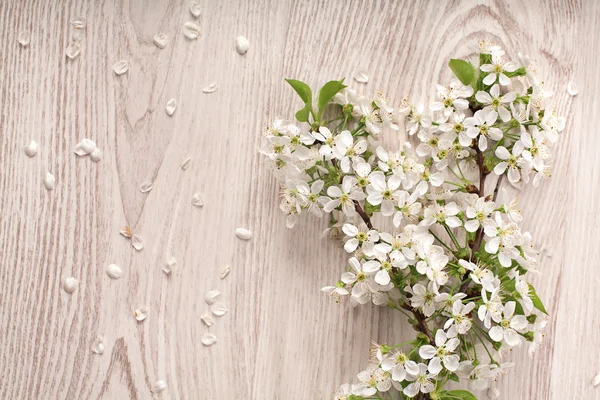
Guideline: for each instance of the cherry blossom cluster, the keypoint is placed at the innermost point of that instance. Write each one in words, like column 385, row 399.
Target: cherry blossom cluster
column 457, row 261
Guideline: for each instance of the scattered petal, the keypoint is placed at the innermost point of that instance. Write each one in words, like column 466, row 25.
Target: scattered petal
column 88, row 145
column 24, row 38
column 98, row 345
column 31, row 149
column 114, row 271
column 161, row 40
column 96, row 155
column 191, row 30
column 242, row 45
column 120, row 67
column 186, row 163
column 137, row 243
column 493, row 393
column 171, row 106
column 596, row 380
column 49, row 181
column 146, row 187
column 361, row 77
column 195, row 8
column 243, row 234
column 219, row 309
column 197, row 200
column 208, row 339
column 207, row 319
column 127, row 232
column 141, row 313
column 70, row 285
column 73, row 50
column 79, row 150
column 572, row 89
column 78, row 23
column 158, row 387
column 211, row 296
column 225, row 271
column 210, row 88
column 170, row 263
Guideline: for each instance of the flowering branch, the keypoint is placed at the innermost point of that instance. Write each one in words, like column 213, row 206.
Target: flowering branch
column 457, row 259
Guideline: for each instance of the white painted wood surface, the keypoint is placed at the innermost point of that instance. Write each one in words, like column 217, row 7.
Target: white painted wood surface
column 282, row 339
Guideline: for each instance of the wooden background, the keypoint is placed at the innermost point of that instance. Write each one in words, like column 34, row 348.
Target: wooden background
column 282, row 338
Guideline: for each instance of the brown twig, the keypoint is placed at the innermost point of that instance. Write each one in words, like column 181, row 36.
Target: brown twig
column 497, row 187
column 482, row 173
column 421, row 324
column 363, row 214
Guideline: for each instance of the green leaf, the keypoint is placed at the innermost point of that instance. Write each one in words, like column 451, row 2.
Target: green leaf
column 371, row 209
column 457, row 395
column 327, row 92
column 485, row 59
column 518, row 72
column 464, row 70
column 537, row 303
column 303, row 114
column 305, row 94
column 302, row 89
column 453, row 377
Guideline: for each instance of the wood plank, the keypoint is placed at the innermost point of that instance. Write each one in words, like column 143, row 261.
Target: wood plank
column 282, row 338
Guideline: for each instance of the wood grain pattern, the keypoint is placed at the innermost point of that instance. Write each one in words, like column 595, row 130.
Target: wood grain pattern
column 281, row 339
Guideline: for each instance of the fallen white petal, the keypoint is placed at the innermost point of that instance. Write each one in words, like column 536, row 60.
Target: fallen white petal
column 137, row 243
column 242, row 45
column 161, row 40
column 208, row 339
column 146, row 187
column 78, row 23
column 98, row 345
column 70, row 285
column 572, row 89
column 493, row 393
column 87, row 145
column 126, row 231
column 171, row 106
column 141, row 313
column 79, row 150
column 596, row 380
column 186, row 163
column 114, row 271
column 32, row 148
column 211, row 296
column 219, row 309
column 73, row 50
column 197, row 200
column 225, row 271
column 210, row 88
column 361, row 77
column 120, row 67
column 24, row 38
column 158, row 387
column 195, row 8
column 207, row 319
column 170, row 263
column 49, row 181
column 191, row 30
column 96, row 155
column 243, row 234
